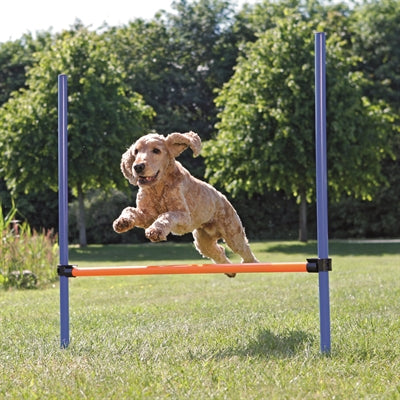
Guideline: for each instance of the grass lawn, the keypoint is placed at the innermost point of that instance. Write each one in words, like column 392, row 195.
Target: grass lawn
column 208, row 336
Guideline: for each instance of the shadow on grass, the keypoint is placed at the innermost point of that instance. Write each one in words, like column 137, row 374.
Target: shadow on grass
column 267, row 344
column 134, row 253
column 308, row 249
column 340, row 248
column 164, row 252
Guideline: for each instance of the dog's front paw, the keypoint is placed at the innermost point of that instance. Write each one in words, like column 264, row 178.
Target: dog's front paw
column 123, row 224
column 155, row 234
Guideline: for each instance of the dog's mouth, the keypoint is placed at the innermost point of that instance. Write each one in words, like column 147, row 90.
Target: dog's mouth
column 145, row 180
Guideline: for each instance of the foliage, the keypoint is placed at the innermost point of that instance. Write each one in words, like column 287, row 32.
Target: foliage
column 101, row 208
column 97, row 133
column 207, row 336
column 103, row 118
column 205, row 49
column 15, row 58
column 368, row 219
column 266, row 130
column 28, row 259
column 271, row 215
column 39, row 208
column 377, row 43
column 177, row 60
column 252, row 20
column 178, row 63
column 268, row 112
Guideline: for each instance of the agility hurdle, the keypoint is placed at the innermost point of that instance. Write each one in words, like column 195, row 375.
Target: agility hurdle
column 320, row 265
column 73, row 271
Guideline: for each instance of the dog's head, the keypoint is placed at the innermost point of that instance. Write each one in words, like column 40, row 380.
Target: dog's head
column 148, row 158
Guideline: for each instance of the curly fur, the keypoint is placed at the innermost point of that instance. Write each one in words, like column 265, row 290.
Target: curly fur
column 171, row 200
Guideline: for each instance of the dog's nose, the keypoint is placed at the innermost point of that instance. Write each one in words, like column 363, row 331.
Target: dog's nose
column 139, row 168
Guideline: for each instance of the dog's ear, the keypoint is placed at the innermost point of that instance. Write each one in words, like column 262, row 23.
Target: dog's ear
column 127, row 161
column 178, row 142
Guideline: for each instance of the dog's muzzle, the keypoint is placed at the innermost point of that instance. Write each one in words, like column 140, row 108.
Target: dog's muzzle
column 139, row 168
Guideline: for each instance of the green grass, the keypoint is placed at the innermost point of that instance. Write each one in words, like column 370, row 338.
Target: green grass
column 208, row 336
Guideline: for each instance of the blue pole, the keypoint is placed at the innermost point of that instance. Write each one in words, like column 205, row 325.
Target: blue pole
column 322, row 189
column 63, row 204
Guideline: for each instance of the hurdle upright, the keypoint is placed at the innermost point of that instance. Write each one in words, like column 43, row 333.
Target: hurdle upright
column 63, row 204
column 322, row 189
column 321, row 265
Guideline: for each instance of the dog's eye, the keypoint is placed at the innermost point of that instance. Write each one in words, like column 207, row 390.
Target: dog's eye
column 156, row 151
column 136, row 151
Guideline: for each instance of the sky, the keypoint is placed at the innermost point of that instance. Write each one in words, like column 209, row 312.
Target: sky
column 18, row 17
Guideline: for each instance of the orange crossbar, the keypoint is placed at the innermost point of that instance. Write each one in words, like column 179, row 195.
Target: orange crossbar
column 191, row 269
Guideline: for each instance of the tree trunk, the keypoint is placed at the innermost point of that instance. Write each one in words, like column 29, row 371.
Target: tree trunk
column 303, row 218
column 81, row 218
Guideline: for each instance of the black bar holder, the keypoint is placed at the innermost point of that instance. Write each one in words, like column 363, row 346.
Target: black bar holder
column 65, row 270
column 319, row 264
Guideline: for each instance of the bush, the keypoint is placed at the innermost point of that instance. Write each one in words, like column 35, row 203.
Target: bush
column 271, row 215
column 101, row 209
column 28, row 259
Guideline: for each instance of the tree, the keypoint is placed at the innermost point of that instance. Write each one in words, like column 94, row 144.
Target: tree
column 15, row 58
column 177, row 60
column 265, row 136
column 102, row 119
column 377, row 43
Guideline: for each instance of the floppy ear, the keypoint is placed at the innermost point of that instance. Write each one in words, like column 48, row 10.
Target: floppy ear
column 127, row 161
column 178, row 142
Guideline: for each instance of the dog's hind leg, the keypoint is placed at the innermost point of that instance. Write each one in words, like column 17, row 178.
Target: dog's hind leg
column 238, row 244
column 207, row 246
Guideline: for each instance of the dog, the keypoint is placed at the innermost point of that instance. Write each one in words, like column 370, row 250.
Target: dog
column 171, row 200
